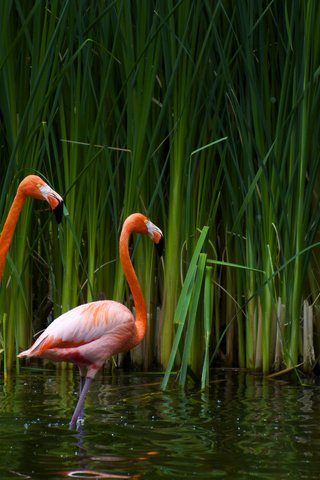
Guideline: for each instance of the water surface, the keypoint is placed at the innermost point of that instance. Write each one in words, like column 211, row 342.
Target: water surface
column 243, row 427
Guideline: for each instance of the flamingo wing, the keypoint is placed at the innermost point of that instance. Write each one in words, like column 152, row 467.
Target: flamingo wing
column 82, row 325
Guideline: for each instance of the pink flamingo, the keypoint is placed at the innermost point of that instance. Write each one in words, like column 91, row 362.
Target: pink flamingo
column 31, row 186
column 91, row 333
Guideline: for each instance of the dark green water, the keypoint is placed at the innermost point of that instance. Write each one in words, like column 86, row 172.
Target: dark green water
column 243, row 427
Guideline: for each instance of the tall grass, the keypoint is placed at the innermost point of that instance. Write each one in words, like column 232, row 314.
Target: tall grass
column 270, row 183
column 203, row 115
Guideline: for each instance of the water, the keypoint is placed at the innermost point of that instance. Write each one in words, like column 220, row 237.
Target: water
column 243, row 427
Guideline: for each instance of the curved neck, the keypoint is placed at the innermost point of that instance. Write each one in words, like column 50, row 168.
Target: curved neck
column 131, row 277
column 9, row 227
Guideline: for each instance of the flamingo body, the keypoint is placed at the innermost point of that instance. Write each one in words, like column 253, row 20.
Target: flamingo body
column 89, row 334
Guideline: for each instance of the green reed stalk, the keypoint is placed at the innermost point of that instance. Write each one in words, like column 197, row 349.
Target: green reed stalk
column 192, row 334
column 188, row 43
column 207, row 315
column 119, row 106
column 139, row 92
column 263, row 183
column 190, row 290
column 36, row 35
column 304, row 127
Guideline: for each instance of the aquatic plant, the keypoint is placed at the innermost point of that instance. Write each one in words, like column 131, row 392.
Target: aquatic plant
column 201, row 114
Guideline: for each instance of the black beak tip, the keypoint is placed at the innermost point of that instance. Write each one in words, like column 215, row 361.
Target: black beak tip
column 58, row 211
column 160, row 247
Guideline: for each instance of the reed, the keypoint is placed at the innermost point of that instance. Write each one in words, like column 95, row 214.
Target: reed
column 202, row 115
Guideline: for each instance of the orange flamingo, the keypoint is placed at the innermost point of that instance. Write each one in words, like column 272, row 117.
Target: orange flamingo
column 31, row 186
column 91, row 333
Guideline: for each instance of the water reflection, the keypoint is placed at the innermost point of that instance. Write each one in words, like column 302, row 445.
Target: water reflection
column 242, row 427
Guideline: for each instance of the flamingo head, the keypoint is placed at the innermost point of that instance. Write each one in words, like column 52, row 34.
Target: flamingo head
column 139, row 223
column 34, row 186
column 156, row 236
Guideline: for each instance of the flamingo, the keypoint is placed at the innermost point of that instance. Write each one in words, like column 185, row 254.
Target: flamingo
column 89, row 334
column 31, row 186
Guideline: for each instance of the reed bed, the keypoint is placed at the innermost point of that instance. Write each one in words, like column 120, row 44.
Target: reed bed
column 203, row 115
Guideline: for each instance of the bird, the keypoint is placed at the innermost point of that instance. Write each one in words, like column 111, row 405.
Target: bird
column 31, row 186
column 89, row 334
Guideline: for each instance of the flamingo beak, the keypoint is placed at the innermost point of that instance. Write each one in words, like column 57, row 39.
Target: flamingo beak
column 156, row 236
column 54, row 199
column 160, row 246
column 58, row 211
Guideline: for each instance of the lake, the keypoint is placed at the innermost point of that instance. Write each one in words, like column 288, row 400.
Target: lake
column 243, row 427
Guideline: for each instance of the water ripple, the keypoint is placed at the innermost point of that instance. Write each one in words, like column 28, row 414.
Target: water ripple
column 242, row 427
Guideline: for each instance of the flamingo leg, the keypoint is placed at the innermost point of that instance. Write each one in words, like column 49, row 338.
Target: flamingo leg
column 81, row 385
column 83, row 374
column 78, row 412
column 82, row 382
